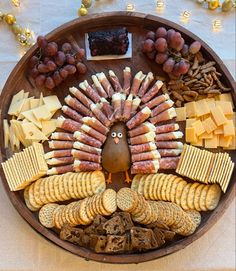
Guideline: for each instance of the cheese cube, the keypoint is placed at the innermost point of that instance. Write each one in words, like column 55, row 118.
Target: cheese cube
column 211, row 143
column 225, row 106
column 209, row 125
column 189, row 122
column 181, row 113
column 228, row 128
column 49, row 126
column 198, row 143
column 32, row 132
column 42, row 113
column 202, row 107
column 225, row 141
column 211, row 102
column 232, row 145
column 198, row 127
column 219, row 130
column 52, row 103
column 227, row 97
column 218, row 116
column 190, row 134
column 206, row 135
column 191, row 109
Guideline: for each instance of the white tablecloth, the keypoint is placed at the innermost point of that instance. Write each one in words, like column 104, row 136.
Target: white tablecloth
column 21, row 248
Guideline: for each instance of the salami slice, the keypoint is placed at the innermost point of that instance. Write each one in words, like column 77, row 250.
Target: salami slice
column 107, row 109
column 152, row 91
column 164, row 116
column 145, row 156
column 92, row 132
column 138, row 78
column 140, row 139
column 80, row 96
column 162, row 107
column 88, row 140
column 60, row 169
column 149, row 146
column 60, row 144
column 92, row 93
column 71, row 113
column 127, row 79
column 86, row 156
column 142, row 129
column 167, row 128
column 105, row 83
column 60, row 161
column 156, row 101
column 86, row 166
column 83, row 147
column 127, row 108
column 169, row 162
column 99, row 115
column 139, row 118
column 169, row 136
column 145, row 167
column 58, row 153
column 115, row 81
column 76, row 105
column 62, row 136
column 96, row 124
column 169, row 152
column 68, row 124
column 146, row 83
column 169, row 145
column 99, row 88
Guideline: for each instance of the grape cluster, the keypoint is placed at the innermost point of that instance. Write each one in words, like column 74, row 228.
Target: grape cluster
column 168, row 48
column 52, row 65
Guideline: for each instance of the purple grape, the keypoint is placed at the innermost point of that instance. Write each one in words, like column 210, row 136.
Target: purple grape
column 42, row 42
column 148, row 46
column 195, row 47
column 66, row 47
column 184, row 50
column 42, row 68
column 161, row 58
column 51, row 66
column 169, row 35
column 161, row 45
column 57, row 78
column 51, row 49
column 151, row 35
column 168, row 65
column 161, row 32
column 60, row 58
column 63, row 73
column 82, row 69
column 34, row 72
column 39, row 80
column 183, row 66
column 49, row 83
column 33, row 62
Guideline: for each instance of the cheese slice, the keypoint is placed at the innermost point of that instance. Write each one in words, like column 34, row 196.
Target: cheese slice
column 198, row 143
column 52, row 102
column 229, row 128
column 16, row 98
column 212, row 143
column 180, row 113
column 218, row 116
column 42, row 113
column 232, row 145
column 202, row 107
column 15, row 109
column 26, row 95
column 6, row 133
column 34, row 103
column 206, row 135
column 226, row 107
column 191, row 109
column 198, row 127
column 32, row 132
column 189, row 122
column 190, row 134
column 219, row 130
column 19, row 132
column 49, row 126
column 30, row 116
column 41, row 102
column 209, row 125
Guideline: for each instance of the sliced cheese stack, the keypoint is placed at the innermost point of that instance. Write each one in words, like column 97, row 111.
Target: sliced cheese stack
column 205, row 166
column 31, row 119
column 210, row 123
column 25, row 167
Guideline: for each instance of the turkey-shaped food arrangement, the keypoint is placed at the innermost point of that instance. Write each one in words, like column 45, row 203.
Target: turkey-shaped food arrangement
column 117, row 125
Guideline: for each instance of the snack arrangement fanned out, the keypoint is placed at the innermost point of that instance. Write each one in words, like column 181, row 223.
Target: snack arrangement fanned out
column 72, row 151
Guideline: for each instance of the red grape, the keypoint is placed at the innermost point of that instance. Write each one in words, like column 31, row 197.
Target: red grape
column 63, row 73
column 169, row 35
column 151, row 55
column 51, row 66
column 46, row 59
column 39, row 80
column 42, row 42
column 81, row 68
column 57, row 78
column 184, row 50
column 42, row 68
column 161, row 32
column 60, row 58
column 175, row 40
column 70, row 68
column 34, row 72
column 161, row 45
column 179, row 45
column 51, row 49
column 148, row 46
column 49, row 83
column 168, row 65
column 175, row 71
column 183, row 67
column 80, row 53
column 66, row 47
column 70, row 59
column 195, row 47
column 161, row 58
column 33, row 61
column 151, row 35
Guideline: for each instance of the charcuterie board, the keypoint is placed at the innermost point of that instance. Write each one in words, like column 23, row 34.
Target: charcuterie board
column 138, row 24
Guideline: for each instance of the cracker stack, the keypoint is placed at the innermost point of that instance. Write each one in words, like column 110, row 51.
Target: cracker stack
column 168, row 187
column 25, row 167
column 63, row 187
column 205, row 166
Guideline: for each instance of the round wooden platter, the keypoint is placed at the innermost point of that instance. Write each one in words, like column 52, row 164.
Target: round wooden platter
column 137, row 24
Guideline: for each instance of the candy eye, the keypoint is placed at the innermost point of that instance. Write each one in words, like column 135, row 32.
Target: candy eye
column 113, row 134
column 120, row 135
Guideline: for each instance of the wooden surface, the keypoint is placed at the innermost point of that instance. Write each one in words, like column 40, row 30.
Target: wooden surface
column 138, row 24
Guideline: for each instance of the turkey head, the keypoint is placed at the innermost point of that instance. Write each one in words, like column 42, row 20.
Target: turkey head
column 115, row 153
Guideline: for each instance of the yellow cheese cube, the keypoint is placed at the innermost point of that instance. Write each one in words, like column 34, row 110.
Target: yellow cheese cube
column 228, row 128
column 225, row 106
column 191, row 109
column 218, row 116
column 181, row 113
column 198, row 127
column 209, row 125
column 212, row 143
column 202, row 107
column 225, row 141
column 232, row 145
column 189, row 122
column 198, row 143
column 190, row 134
column 219, row 130
column 227, row 97
column 206, row 135
column 211, row 102
column 42, row 113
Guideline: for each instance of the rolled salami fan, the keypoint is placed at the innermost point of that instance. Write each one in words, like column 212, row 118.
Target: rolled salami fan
column 117, row 125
